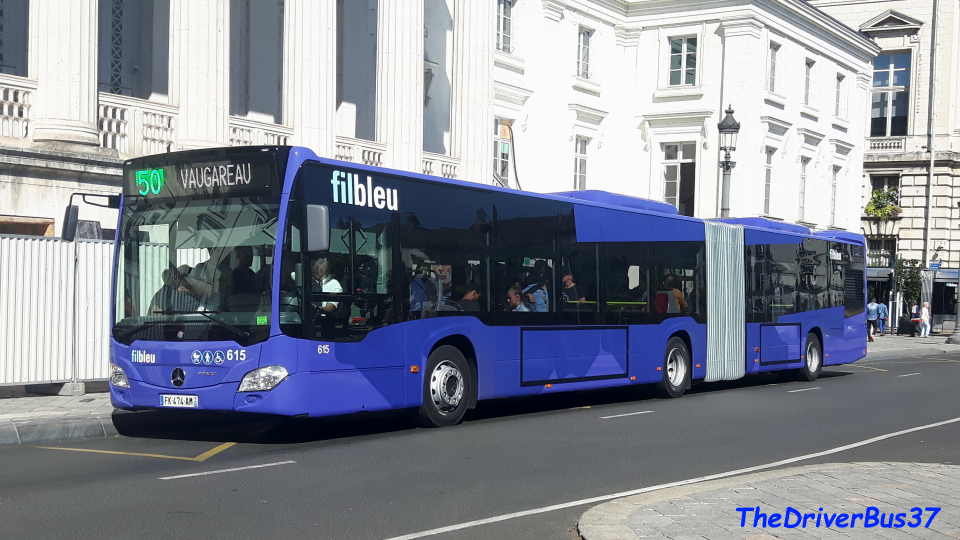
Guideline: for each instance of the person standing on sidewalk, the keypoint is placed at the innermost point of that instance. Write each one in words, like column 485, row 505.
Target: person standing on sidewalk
column 883, row 315
column 925, row 320
column 873, row 313
column 914, row 318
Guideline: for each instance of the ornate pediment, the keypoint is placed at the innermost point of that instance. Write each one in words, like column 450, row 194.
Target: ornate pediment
column 891, row 21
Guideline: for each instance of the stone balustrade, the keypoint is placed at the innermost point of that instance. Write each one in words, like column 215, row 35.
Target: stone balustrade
column 246, row 132
column 136, row 127
column 439, row 165
column 360, row 151
column 895, row 144
column 16, row 95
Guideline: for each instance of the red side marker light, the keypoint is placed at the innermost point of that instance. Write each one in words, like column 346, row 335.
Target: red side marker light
column 414, row 369
column 549, row 385
column 756, row 360
column 826, row 355
column 659, row 369
column 756, row 349
column 698, row 365
column 633, row 378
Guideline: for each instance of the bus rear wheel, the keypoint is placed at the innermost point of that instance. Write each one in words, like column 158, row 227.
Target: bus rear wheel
column 812, row 360
column 676, row 369
column 447, row 388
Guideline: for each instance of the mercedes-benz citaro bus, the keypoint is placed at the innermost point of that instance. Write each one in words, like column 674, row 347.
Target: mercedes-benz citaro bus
column 270, row 280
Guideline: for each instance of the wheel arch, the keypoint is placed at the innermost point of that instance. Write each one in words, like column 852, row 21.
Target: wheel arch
column 465, row 346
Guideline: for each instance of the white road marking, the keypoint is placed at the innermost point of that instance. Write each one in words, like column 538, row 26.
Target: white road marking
column 803, row 389
column 628, row 414
column 227, row 470
column 908, row 375
column 603, row 498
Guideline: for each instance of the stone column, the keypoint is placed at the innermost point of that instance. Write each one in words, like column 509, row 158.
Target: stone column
column 200, row 71
column 63, row 59
column 474, row 30
column 400, row 82
column 309, row 73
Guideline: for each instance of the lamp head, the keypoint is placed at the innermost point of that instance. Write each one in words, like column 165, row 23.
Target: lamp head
column 729, row 128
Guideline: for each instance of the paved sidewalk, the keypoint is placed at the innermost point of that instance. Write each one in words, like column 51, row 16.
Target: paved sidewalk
column 890, row 346
column 709, row 510
column 35, row 419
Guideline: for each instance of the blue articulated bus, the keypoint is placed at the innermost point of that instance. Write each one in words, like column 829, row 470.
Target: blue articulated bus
column 269, row 280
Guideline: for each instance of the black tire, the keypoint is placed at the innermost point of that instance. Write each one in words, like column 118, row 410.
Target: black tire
column 812, row 359
column 676, row 369
column 447, row 388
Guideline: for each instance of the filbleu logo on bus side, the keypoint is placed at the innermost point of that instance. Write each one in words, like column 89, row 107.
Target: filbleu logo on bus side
column 349, row 189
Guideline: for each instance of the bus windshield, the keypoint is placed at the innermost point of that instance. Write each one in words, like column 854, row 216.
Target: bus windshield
column 196, row 270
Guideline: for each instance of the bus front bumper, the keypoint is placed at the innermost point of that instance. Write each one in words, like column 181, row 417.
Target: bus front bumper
column 289, row 398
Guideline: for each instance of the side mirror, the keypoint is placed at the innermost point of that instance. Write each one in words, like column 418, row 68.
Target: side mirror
column 318, row 227
column 70, row 218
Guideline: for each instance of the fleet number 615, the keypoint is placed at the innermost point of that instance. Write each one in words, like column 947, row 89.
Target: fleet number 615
column 323, row 349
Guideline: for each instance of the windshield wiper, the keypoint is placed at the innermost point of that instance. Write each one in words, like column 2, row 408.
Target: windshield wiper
column 130, row 331
column 233, row 329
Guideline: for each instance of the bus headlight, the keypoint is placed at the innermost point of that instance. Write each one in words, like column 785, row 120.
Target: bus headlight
column 117, row 377
column 265, row 378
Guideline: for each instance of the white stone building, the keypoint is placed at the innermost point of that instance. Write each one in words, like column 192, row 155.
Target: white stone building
column 620, row 95
column 903, row 125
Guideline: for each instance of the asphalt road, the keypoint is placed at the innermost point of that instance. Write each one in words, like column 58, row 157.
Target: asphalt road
column 378, row 477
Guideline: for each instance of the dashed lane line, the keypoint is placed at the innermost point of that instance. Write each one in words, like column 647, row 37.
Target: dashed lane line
column 628, row 414
column 803, row 389
column 603, row 498
column 221, row 471
column 908, row 375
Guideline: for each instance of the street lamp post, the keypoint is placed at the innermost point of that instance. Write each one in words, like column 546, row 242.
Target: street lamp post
column 728, row 143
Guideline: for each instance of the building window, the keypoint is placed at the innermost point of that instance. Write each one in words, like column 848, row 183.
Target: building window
column 505, row 25
column 774, row 49
column 833, row 196
column 768, row 178
column 884, row 182
column 881, row 253
column 583, row 53
column 683, row 61
column 502, row 149
column 680, row 176
column 837, row 109
column 807, row 82
column 890, row 94
column 580, row 163
column 803, row 186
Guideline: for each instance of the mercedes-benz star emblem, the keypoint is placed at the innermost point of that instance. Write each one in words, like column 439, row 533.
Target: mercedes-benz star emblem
column 177, row 377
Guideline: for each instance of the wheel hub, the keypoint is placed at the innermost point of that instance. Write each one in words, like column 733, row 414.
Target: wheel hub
column 446, row 386
column 676, row 368
column 813, row 358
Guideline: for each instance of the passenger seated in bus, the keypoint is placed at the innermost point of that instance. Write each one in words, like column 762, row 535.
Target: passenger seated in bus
column 469, row 297
column 444, row 273
column 669, row 299
column 570, row 292
column 423, row 293
column 326, row 283
column 244, row 278
column 514, row 300
column 535, row 287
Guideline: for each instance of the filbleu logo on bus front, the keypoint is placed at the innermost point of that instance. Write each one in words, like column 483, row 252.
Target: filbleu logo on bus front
column 143, row 357
column 349, row 189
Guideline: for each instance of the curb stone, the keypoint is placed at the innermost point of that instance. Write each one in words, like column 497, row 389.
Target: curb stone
column 608, row 521
column 27, row 432
column 909, row 353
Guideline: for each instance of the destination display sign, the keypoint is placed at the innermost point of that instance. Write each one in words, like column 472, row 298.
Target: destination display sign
column 238, row 175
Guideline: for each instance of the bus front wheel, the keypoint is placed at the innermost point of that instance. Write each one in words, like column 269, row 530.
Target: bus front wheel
column 676, row 369
column 813, row 359
column 447, row 388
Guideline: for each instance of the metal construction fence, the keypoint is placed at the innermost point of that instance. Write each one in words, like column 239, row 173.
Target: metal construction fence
column 54, row 309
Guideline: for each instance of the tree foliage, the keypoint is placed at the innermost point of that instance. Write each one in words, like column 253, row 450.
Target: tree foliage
column 907, row 274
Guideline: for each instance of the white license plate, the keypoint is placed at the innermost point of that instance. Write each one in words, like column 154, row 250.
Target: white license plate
column 188, row 402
